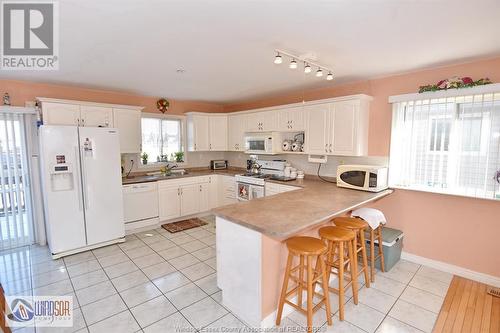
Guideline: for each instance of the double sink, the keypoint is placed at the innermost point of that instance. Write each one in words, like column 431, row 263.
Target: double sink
column 152, row 178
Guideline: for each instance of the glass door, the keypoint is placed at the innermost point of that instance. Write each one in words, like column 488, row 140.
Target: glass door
column 16, row 221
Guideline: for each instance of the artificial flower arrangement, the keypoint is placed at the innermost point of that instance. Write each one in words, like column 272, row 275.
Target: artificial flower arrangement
column 454, row 83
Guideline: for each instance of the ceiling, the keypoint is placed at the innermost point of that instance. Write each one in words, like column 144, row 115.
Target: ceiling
column 227, row 47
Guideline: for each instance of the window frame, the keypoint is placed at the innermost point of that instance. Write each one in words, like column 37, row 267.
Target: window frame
column 183, row 136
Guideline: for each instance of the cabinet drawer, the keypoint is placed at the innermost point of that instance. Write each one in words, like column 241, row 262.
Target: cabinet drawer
column 183, row 181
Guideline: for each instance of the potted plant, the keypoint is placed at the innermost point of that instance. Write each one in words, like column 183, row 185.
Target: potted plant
column 144, row 158
column 179, row 157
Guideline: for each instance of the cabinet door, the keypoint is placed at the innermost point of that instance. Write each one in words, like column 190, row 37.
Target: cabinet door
column 200, row 133
column 297, row 119
column 204, row 197
column 128, row 123
column 236, row 132
column 190, row 195
column 218, row 133
column 344, row 128
column 291, row 119
column 169, row 202
column 254, row 121
column 213, row 192
column 317, row 135
column 96, row 116
column 60, row 114
column 269, row 121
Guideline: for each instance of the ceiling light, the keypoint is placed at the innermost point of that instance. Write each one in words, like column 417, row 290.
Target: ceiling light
column 329, row 77
column 293, row 64
column 319, row 72
column 278, row 60
column 307, row 69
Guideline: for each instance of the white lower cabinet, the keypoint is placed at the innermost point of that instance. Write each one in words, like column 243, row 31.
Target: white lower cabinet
column 188, row 196
column 212, row 192
column 227, row 190
column 169, row 202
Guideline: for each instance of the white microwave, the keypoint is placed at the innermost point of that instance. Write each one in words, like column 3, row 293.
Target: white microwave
column 371, row 178
column 262, row 143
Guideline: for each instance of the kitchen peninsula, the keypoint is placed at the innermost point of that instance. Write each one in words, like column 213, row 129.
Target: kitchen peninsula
column 251, row 255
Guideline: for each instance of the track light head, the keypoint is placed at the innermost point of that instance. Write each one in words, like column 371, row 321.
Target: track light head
column 293, row 64
column 307, row 69
column 278, row 59
column 319, row 72
column 329, row 77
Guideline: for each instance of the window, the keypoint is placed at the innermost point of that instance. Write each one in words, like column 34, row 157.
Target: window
column 440, row 134
column 447, row 145
column 161, row 138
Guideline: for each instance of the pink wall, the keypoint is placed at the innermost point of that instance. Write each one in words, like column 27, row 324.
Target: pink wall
column 21, row 91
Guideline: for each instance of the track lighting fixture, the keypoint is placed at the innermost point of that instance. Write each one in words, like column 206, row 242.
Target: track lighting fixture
column 305, row 59
column 278, row 59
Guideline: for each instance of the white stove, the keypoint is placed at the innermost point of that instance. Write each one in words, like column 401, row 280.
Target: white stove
column 252, row 186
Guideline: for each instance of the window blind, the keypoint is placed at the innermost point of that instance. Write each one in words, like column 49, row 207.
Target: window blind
column 447, row 145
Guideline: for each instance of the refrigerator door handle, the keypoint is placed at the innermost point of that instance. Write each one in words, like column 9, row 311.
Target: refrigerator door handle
column 78, row 180
column 84, row 180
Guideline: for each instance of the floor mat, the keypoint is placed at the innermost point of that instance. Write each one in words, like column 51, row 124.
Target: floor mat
column 183, row 225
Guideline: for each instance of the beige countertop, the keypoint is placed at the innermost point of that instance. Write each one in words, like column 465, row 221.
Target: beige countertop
column 287, row 214
column 143, row 178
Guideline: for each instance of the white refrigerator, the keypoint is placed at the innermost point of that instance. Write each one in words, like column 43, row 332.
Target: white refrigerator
column 82, row 188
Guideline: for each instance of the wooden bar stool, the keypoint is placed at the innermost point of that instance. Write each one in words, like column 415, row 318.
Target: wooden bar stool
column 339, row 255
column 358, row 226
column 307, row 249
column 376, row 234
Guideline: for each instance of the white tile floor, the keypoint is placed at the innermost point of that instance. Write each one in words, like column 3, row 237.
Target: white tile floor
column 157, row 281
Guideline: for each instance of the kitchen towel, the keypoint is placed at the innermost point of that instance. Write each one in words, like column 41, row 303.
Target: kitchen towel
column 373, row 217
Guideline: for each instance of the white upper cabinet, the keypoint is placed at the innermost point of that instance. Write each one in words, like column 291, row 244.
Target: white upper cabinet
column 264, row 121
column 291, row 119
column 207, row 132
column 197, row 128
column 96, row 116
column 317, row 133
column 217, row 132
column 60, row 114
column 236, row 125
column 127, row 119
column 338, row 128
column 128, row 123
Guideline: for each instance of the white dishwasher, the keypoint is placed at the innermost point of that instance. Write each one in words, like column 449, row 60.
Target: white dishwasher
column 140, row 205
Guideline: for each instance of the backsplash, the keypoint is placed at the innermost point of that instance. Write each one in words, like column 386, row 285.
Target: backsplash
column 300, row 162
column 193, row 160
column 237, row 159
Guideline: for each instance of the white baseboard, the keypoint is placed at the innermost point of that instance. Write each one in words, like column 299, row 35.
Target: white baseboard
column 449, row 268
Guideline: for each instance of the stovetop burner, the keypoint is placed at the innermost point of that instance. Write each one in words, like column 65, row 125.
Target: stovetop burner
column 256, row 175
